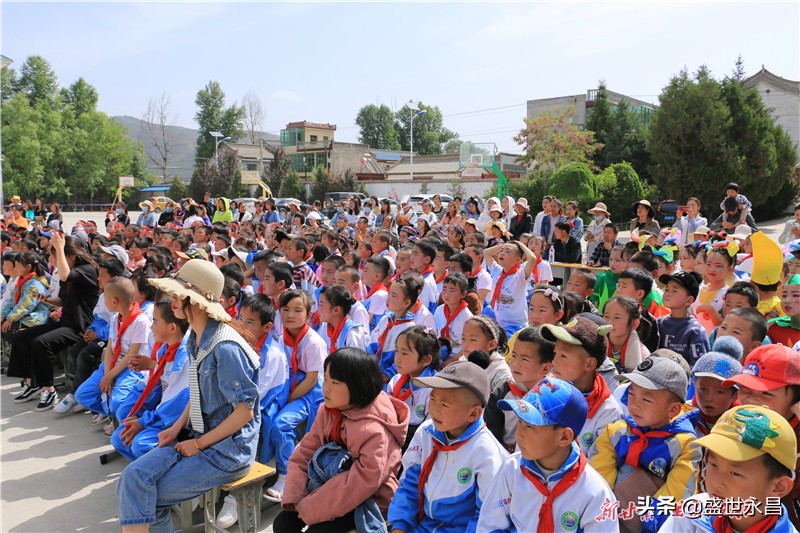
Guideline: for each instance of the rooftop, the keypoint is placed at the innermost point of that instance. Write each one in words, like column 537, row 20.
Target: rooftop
column 315, row 125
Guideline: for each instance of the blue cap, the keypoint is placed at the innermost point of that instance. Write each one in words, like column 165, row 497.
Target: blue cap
column 48, row 234
column 722, row 362
column 552, row 401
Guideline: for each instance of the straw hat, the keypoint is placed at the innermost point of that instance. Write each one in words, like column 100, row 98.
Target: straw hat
column 201, row 282
column 600, row 207
column 645, row 203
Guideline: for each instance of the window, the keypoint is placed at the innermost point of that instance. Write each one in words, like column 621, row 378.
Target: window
column 325, row 137
column 312, row 138
column 251, row 166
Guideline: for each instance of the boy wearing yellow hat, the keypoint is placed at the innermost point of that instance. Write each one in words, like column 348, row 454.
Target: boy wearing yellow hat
column 749, row 454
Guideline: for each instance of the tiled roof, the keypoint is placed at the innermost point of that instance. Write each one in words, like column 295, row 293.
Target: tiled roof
column 307, row 124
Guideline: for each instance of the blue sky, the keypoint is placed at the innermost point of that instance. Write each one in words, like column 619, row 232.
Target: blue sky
column 323, row 61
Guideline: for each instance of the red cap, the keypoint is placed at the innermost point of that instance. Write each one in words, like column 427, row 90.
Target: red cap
column 768, row 368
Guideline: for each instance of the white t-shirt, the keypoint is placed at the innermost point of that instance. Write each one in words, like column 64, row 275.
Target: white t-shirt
column 360, row 315
column 456, row 326
column 311, row 353
column 137, row 333
column 511, row 308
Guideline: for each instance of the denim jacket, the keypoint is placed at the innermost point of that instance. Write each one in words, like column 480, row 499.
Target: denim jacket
column 330, row 460
column 226, row 378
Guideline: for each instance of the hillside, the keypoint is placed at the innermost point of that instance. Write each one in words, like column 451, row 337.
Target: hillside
column 185, row 139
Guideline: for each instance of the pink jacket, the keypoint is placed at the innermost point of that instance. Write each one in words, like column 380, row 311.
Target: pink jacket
column 374, row 436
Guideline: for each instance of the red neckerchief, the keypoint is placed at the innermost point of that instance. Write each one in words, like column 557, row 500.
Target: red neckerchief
column 745, row 258
column 389, row 325
column 232, row 311
column 515, row 390
column 396, row 277
column 261, row 289
column 722, row 524
column 416, row 307
column 294, row 344
column 427, row 271
column 441, row 279
column 122, row 326
column 546, row 524
column 361, row 265
column 500, row 280
column 336, row 428
column 260, row 342
column 709, row 420
column 378, row 287
column 536, row 269
column 426, row 471
column 636, row 447
column 450, row 317
column 397, row 390
column 621, row 352
column 600, row 392
column 155, row 376
column 476, row 272
column 333, row 333
column 20, row 283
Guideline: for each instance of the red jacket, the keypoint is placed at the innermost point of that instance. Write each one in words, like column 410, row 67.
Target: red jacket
column 374, row 436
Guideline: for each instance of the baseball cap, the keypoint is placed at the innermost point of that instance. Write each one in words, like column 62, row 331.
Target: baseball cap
column 581, row 331
column 117, row 251
column 746, row 432
column 666, row 353
column 461, row 374
column 659, row 373
column 768, row 368
column 722, row 362
column 48, row 234
column 193, row 253
column 552, row 401
column 688, row 280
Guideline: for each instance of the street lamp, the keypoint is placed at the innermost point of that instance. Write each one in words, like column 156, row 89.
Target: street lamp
column 413, row 116
column 218, row 140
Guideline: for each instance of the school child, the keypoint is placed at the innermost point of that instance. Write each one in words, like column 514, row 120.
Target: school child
column 483, row 278
column 376, row 272
column 305, row 350
column 347, row 276
column 423, row 254
column 403, row 294
column 582, row 281
column 453, row 313
column 510, row 281
column 652, row 301
column 786, row 329
column 402, row 262
column 732, row 191
column 86, row 355
column 636, row 283
column 680, row 331
column 580, row 351
column 220, row 444
column 648, row 453
column 422, row 315
column 419, row 353
column 443, row 253
column 462, row 263
column 337, row 330
column 625, row 349
column 110, row 384
column 276, row 282
column 358, row 425
column 22, row 309
column 450, row 463
column 382, row 246
column 687, row 258
column 741, row 463
column 542, row 273
column 718, row 266
column 231, row 297
column 548, row 485
column 153, row 407
column 605, row 284
column 484, row 333
column 710, row 398
column 771, row 377
column 326, row 273
column 531, row 360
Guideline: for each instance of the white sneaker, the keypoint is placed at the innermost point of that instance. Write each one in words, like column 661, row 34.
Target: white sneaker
column 229, row 514
column 108, row 429
column 98, row 419
column 65, row 405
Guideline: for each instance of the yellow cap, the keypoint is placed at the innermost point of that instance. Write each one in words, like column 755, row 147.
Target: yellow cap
column 767, row 259
column 748, row 431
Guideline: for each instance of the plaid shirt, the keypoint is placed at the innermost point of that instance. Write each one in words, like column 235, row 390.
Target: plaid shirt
column 305, row 278
column 601, row 254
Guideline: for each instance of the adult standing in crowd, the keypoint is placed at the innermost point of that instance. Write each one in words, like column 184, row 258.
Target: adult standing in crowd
column 594, row 232
column 689, row 220
column 55, row 220
column 522, row 222
column 645, row 219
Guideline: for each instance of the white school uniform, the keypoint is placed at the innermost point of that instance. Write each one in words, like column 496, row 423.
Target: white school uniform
column 609, row 412
column 456, row 326
column 359, row 315
column 354, row 337
column 417, row 401
column 273, row 371
column 311, row 353
column 137, row 333
column 430, row 294
column 483, row 281
column 423, row 317
column 511, row 308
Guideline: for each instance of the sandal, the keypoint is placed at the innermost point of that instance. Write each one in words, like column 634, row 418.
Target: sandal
column 273, row 495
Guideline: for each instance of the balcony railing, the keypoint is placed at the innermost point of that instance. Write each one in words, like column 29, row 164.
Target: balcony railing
column 314, row 145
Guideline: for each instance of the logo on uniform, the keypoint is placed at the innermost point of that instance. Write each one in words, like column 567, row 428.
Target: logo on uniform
column 420, row 410
column 569, row 521
column 587, row 439
column 658, row 467
column 464, row 475
column 751, row 369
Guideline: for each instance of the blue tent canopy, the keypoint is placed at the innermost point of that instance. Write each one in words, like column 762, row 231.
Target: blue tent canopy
column 155, row 188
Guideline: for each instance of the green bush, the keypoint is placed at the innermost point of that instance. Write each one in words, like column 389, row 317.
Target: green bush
column 574, row 181
column 618, row 186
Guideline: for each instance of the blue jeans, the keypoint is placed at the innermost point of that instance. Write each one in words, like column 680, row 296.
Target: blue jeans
column 161, row 478
column 143, row 442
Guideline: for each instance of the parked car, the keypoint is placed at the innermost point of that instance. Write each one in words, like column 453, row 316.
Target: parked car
column 416, row 201
column 339, row 196
column 393, row 205
column 160, row 203
column 666, row 213
column 282, row 205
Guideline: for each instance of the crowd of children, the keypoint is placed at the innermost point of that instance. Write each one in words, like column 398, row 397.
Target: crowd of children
column 426, row 377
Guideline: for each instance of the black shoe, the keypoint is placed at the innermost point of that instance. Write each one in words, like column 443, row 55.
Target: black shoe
column 47, row 400
column 27, row 394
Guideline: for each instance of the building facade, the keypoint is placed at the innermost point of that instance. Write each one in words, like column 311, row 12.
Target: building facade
column 782, row 97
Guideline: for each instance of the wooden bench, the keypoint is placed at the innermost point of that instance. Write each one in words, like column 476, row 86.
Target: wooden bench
column 246, row 490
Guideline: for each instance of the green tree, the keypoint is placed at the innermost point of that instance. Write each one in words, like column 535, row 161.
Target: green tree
column 212, row 115
column 8, row 82
column 37, row 80
column 177, row 190
column 292, row 186
column 376, row 127
column 81, row 96
column 551, row 140
column 618, row 186
column 430, row 135
column 574, row 181
column 322, row 183
column 277, row 170
column 707, row 133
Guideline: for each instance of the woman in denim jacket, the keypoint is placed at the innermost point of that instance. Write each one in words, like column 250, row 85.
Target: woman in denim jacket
column 214, row 441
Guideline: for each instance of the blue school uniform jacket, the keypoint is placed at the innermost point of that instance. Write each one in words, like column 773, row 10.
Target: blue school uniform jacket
column 273, row 390
column 173, row 391
column 389, row 348
column 459, row 481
